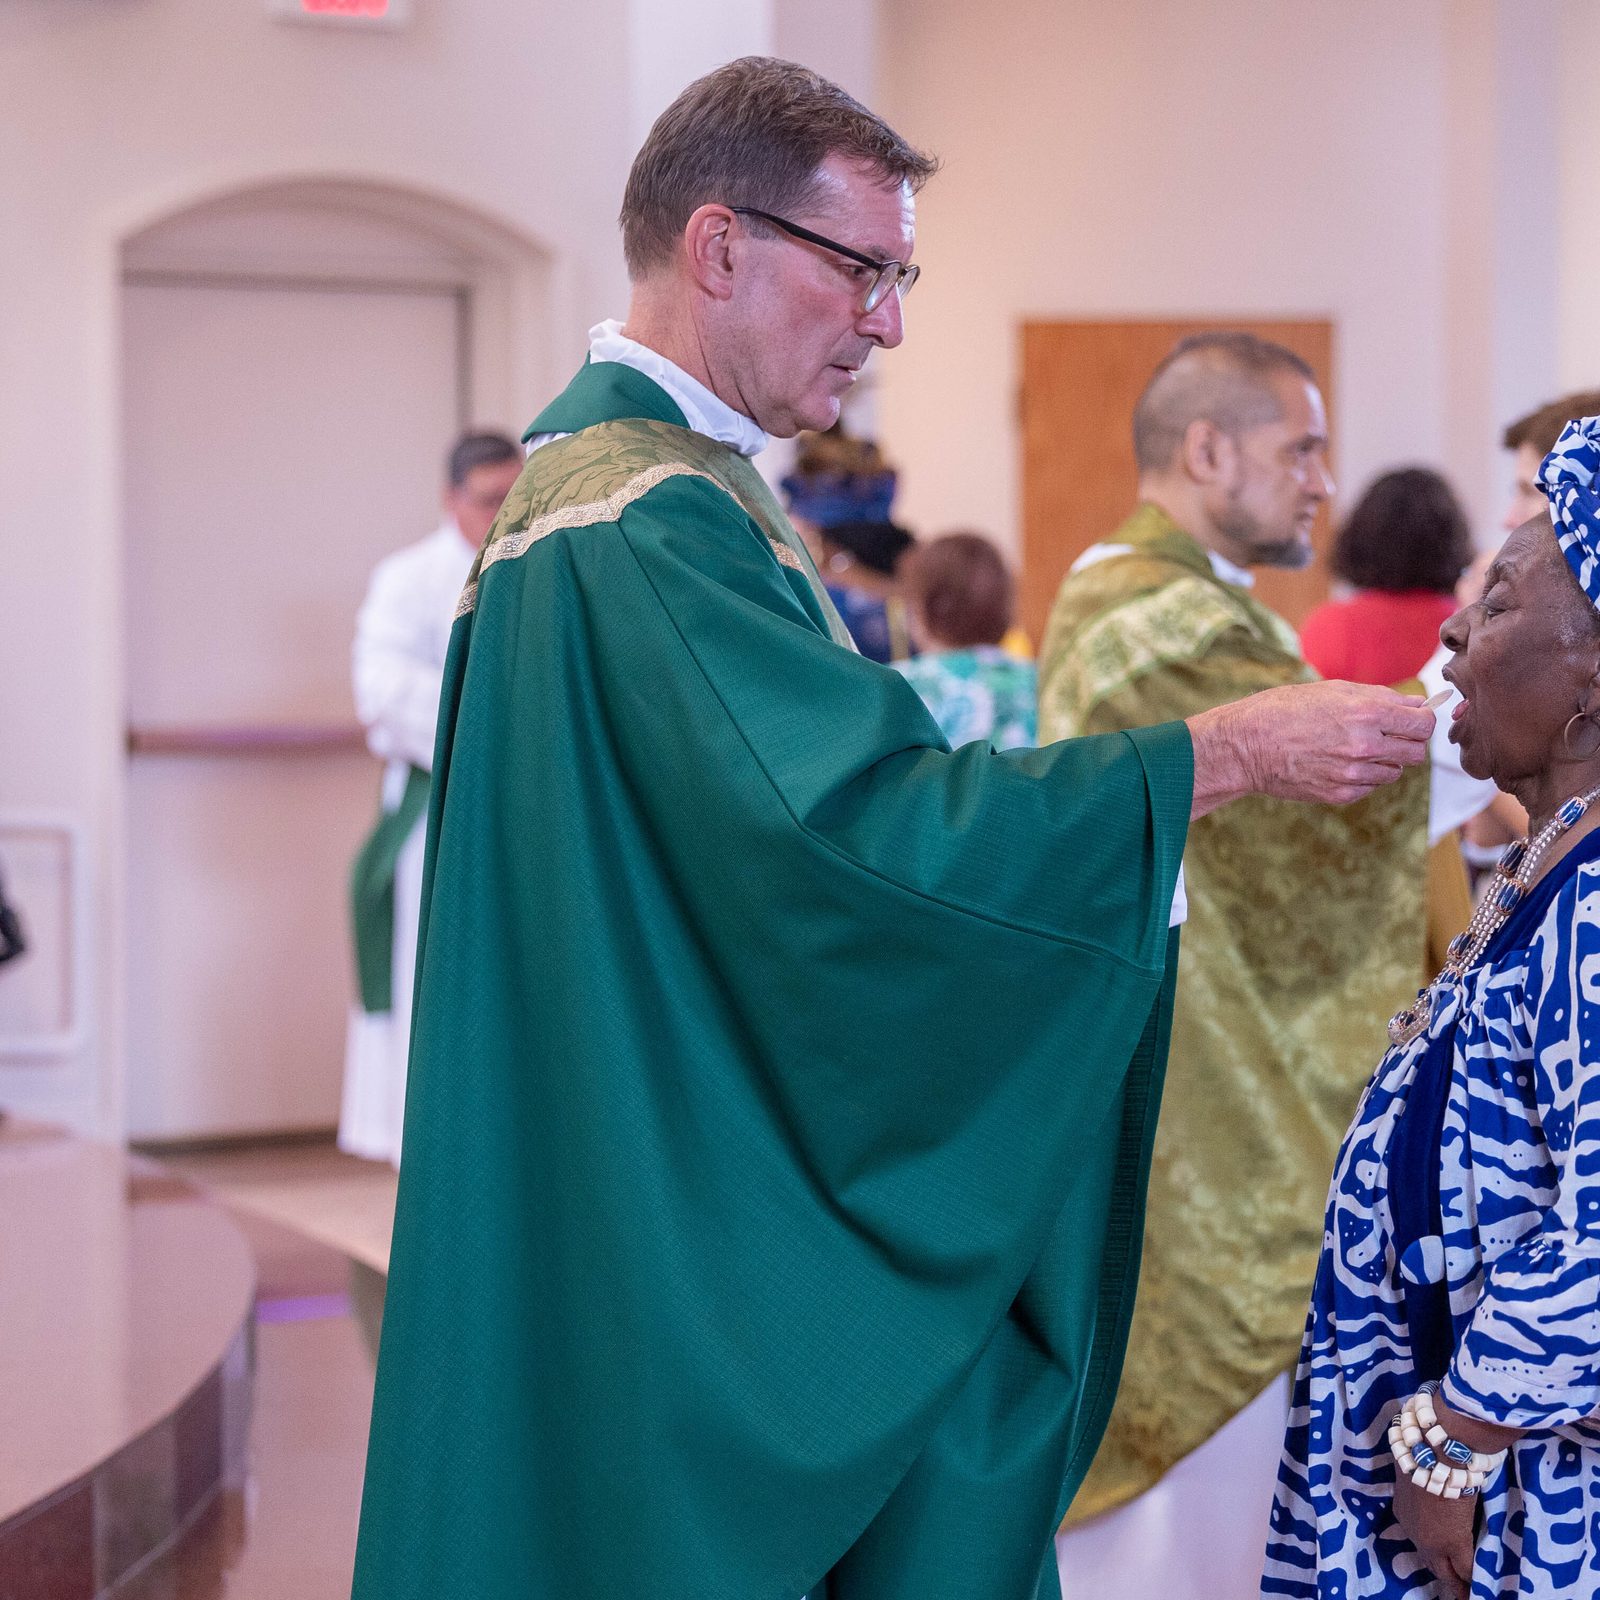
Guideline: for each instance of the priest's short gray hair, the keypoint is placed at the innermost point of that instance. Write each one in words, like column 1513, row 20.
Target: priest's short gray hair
column 1223, row 378
column 752, row 133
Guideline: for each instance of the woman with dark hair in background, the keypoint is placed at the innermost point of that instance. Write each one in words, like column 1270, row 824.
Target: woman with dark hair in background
column 1402, row 548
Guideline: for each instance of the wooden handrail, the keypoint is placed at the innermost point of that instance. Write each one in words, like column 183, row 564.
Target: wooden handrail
column 247, row 739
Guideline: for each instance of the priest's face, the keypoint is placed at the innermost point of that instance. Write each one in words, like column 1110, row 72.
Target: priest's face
column 1275, row 479
column 795, row 332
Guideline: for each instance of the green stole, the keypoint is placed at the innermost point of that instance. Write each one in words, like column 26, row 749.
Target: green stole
column 372, row 894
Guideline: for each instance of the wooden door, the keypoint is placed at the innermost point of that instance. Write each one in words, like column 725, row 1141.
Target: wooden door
column 1080, row 381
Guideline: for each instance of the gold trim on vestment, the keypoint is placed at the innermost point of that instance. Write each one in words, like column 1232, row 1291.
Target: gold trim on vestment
column 786, row 556
column 584, row 516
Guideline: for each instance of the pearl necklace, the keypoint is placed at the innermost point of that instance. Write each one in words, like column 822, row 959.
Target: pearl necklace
column 1513, row 876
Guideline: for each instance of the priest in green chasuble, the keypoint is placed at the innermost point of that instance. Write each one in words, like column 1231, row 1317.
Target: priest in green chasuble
column 739, row 1254
column 1305, row 933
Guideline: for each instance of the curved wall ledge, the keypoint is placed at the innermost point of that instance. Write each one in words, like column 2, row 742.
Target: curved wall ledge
column 126, row 1360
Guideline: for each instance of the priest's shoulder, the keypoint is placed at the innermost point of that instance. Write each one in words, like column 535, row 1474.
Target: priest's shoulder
column 598, row 472
column 1109, row 572
column 601, row 474
column 1146, row 594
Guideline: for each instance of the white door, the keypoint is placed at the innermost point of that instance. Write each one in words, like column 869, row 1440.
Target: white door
column 279, row 440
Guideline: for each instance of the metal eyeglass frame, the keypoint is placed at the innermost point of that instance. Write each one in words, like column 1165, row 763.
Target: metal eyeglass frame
column 896, row 275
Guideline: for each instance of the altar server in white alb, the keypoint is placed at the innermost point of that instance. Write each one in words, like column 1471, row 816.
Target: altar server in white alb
column 402, row 633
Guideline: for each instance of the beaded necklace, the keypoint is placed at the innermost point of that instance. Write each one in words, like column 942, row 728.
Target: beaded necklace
column 1513, row 876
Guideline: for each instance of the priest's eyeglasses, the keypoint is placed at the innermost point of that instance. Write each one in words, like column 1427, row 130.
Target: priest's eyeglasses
column 896, row 275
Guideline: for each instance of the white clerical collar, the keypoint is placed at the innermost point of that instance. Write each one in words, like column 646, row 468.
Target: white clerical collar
column 1221, row 565
column 1229, row 573
column 701, row 409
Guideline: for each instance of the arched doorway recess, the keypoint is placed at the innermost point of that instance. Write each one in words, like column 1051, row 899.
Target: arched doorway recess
column 296, row 357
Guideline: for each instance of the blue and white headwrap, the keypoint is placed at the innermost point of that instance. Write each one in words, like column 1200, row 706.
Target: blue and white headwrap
column 1568, row 475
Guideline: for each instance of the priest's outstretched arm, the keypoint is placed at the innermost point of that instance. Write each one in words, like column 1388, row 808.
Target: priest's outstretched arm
column 1327, row 742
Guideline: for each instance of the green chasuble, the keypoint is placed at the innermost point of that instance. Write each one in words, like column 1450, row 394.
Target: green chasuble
column 782, row 1083
column 1305, row 934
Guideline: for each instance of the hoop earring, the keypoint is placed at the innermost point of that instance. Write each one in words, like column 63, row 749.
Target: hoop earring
column 1566, row 738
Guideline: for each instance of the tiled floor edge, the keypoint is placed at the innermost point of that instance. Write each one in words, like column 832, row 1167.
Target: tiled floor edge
column 140, row 1500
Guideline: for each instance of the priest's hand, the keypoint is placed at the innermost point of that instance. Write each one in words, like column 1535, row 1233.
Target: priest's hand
column 1324, row 742
column 1441, row 1531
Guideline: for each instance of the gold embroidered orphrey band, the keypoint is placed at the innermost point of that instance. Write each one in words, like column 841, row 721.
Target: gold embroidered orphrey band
column 606, row 510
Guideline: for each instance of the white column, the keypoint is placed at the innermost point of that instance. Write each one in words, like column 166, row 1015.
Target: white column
column 1567, row 84
column 838, row 38
column 673, row 42
column 1502, row 142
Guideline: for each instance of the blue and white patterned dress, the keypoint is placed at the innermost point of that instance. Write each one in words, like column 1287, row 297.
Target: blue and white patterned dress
column 1519, row 1199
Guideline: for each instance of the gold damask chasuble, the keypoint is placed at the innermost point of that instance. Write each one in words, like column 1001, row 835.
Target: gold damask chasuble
column 1305, row 934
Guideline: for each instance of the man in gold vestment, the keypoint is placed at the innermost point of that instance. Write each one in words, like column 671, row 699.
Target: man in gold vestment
column 1306, row 932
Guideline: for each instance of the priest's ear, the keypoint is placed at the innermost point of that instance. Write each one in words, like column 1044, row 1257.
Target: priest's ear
column 1208, row 455
column 712, row 243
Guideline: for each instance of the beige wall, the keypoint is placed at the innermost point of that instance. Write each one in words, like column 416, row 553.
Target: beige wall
column 1425, row 173
column 118, row 112
column 1366, row 161
column 1576, row 199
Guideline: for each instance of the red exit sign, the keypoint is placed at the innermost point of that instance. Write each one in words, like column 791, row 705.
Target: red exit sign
column 358, row 13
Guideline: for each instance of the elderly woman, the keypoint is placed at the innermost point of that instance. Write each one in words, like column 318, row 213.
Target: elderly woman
column 1442, row 1438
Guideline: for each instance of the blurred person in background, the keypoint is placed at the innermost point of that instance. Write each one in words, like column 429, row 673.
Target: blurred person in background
column 960, row 603
column 1406, row 547
column 1530, row 439
column 1306, row 930
column 402, row 633
column 1402, row 548
column 13, row 942
column 839, row 494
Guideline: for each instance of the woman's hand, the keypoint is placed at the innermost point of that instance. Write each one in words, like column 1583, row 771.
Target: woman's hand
column 1442, row 1531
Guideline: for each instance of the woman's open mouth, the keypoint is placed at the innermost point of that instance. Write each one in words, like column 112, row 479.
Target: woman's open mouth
column 1459, row 709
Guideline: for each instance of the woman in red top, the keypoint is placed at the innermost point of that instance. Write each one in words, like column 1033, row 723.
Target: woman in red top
column 1402, row 548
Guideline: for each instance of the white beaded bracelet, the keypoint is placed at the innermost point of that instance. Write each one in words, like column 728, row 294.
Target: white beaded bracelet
column 1430, row 1458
